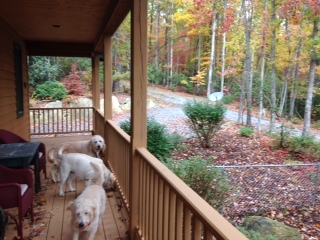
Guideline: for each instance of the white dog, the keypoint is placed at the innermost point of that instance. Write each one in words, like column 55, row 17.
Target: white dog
column 78, row 164
column 94, row 147
column 88, row 208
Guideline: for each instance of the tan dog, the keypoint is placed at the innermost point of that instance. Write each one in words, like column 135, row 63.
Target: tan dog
column 79, row 165
column 89, row 207
column 95, row 147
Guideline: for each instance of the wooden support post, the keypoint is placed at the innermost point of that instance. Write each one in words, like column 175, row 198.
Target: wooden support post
column 139, row 24
column 107, row 77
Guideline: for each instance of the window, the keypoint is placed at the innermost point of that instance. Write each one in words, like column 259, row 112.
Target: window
column 19, row 79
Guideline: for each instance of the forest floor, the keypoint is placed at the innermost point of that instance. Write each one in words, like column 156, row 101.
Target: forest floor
column 229, row 148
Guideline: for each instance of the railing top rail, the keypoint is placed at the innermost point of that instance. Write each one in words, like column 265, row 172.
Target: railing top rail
column 61, row 108
column 267, row 166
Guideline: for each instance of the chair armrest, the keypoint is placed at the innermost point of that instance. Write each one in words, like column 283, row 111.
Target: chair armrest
column 10, row 195
column 42, row 148
column 20, row 176
column 6, row 188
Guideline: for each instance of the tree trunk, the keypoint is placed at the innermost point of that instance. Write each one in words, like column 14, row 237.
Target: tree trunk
column 248, row 70
column 171, row 45
column 223, row 48
column 157, row 35
column 213, row 47
column 283, row 96
column 273, row 68
column 296, row 76
column 199, row 52
column 151, row 22
column 263, row 62
column 308, row 107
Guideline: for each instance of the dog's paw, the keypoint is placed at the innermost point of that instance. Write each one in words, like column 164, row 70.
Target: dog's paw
column 53, row 181
column 61, row 194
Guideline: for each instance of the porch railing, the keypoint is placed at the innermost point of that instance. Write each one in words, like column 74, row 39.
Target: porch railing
column 46, row 121
column 167, row 207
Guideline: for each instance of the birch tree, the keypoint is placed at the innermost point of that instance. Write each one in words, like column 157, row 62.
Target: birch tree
column 248, row 69
column 308, row 107
column 273, row 67
column 263, row 63
column 213, row 47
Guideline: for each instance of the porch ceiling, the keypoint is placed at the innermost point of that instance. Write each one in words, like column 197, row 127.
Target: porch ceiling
column 64, row 27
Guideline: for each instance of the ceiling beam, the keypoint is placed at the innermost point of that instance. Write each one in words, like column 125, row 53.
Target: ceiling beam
column 116, row 13
column 59, row 49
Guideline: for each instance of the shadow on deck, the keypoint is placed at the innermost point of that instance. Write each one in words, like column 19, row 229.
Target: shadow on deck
column 52, row 220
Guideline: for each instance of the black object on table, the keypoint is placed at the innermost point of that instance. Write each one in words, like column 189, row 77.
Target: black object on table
column 19, row 155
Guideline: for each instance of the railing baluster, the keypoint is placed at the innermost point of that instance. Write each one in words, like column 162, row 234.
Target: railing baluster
column 196, row 228
column 179, row 217
column 172, row 214
column 187, row 223
column 45, row 121
column 155, row 206
column 160, row 210
column 166, row 212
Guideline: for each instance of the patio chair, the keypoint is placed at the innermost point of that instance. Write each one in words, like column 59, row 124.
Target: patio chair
column 7, row 137
column 16, row 191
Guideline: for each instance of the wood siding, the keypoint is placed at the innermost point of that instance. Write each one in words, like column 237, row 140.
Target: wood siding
column 8, row 102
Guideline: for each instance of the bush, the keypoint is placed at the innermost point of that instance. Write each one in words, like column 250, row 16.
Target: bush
column 52, row 90
column 246, row 132
column 204, row 119
column 121, row 76
column 209, row 183
column 159, row 142
column 306, row 145
column 228, row 99
column 316, row 124
column 155, row 76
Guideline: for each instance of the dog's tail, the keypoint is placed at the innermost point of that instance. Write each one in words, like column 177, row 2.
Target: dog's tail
column 51, row 155
column 100, row 179
column 60, row 152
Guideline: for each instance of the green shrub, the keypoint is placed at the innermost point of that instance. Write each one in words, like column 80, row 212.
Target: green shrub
column 296, row 121
column 51, row 90
column 121, row 76
column 228, row 99
column 316, row 124
column 209, row 183
column 247, row 132
column 155, row 76
column 306, row 145
column 204, row 119
column 159, row 142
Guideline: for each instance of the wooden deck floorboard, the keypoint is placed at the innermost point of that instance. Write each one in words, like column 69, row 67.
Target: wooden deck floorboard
column 52, row 219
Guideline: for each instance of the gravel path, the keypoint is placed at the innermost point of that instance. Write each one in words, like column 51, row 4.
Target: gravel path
column 169, row 112
column 176, row 113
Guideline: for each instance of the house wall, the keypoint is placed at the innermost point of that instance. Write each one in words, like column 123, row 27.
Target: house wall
column 8, row 101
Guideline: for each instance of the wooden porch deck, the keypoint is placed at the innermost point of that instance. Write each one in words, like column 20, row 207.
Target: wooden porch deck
column 52, row 220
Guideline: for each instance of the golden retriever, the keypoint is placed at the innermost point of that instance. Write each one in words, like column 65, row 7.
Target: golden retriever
column 88, row 208
column 95, row 147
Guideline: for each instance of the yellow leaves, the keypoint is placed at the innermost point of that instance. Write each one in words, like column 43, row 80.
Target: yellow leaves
column 199, row 79
column 184, row 82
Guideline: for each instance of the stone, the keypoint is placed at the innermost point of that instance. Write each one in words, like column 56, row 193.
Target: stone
column 56, row 104
column 268, row 227
column 115, row 105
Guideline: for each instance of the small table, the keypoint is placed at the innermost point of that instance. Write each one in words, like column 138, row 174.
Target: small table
column 19, row 155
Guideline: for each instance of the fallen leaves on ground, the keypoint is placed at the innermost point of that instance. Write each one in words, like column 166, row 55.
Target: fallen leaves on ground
column 229, row 148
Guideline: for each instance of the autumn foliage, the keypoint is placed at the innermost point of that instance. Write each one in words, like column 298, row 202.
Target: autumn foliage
column 74, row 83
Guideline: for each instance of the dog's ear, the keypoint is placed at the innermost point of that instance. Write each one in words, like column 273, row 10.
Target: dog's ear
column 103, row 150
column 71, row 206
